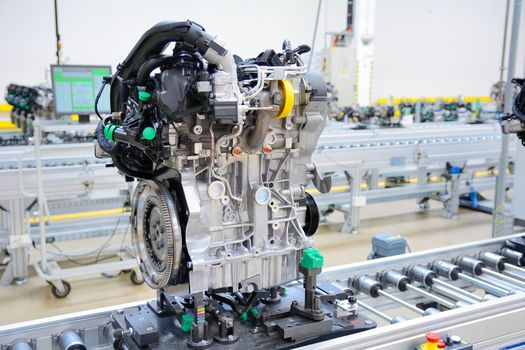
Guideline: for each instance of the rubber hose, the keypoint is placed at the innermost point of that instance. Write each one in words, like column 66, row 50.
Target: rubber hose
column 106, row 146
column 148, row 66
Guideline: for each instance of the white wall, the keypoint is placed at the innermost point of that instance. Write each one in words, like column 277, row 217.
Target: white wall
column 422, row 47
column 438, row 47
column 104, row 31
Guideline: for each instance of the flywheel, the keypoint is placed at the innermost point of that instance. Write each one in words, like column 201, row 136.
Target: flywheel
column 156, row 233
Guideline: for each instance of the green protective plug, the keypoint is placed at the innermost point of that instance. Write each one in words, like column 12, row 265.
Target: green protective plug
column 144, row 96
column 311, row 259
column 186, row 322
column 149, row 133
column 109, row 130
column 255, row 313
column 243, row 316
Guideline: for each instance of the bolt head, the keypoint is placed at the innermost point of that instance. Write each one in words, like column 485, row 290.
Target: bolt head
column 277, row 98
column 197, row 129
column 267, row 149
column 237, row 151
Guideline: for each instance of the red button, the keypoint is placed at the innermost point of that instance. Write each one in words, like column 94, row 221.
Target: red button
column 432, row 337
column 441, row 344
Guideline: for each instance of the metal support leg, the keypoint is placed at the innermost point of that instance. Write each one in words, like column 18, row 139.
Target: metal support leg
column 500, row 219
column 418, row 112
column 352, row 219
column 422, row 203
column 199, row 333
column 19, row 246
column 451, row 210
column 374, row 179
column 312, row 304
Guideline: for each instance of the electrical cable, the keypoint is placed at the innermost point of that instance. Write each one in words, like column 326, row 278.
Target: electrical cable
column 98, row 251
column 97, row 98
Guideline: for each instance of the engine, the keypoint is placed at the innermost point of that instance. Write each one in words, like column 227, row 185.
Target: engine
column 221, row 148
column 28, row 102
column 514, row 122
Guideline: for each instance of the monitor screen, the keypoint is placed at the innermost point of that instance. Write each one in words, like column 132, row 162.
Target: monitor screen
column 75, row 89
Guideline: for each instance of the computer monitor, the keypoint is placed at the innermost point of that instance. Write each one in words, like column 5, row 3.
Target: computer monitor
column 76, row 87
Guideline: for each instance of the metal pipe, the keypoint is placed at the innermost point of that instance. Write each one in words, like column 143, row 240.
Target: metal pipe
column 401, row 302
column 467, row 296
column 487, row 287
column 514, row 268
column 315, row 34
column 499, row 201
column 375, row 311
column 41, row 196
column 503, row 277
column 512, row 289
column 459, row 299
column 431, row 296
column 504, row 49
column 391, row 320
column 57, row 34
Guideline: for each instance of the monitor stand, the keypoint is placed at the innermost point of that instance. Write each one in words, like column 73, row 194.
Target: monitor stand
column 83, row 118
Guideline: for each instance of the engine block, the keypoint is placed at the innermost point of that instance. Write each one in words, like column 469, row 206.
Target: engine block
column 222, row 150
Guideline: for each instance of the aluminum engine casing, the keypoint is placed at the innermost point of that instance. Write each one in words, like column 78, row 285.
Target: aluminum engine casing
column 214, row 232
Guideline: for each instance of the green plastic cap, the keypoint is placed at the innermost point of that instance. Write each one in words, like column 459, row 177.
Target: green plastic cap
column 255, row 313
column 144, row 96
column 311, row 259
column 149, row 133
column 109, row 130
column 244, row 316
column 186, row 322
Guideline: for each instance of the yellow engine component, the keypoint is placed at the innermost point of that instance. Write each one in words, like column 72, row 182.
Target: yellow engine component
column 286, row 89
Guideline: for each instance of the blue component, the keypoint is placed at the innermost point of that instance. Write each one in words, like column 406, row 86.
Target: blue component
column 387, row 244
column 398, row 161
column 455, row 170
column 473, row 196
column 513, row 346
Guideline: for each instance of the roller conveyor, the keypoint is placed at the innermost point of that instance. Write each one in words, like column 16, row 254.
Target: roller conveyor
column 437, row 290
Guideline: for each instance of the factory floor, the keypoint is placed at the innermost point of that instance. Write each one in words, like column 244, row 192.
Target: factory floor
column 424, row 230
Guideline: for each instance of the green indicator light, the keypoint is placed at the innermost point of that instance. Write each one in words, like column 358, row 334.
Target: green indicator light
column 149, row 133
